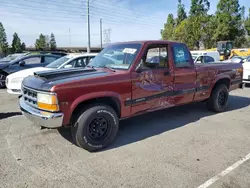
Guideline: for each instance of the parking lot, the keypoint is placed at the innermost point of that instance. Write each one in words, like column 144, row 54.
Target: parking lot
column 185, row 146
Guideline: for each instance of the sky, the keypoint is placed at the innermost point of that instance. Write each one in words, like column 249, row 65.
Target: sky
column 124, row 20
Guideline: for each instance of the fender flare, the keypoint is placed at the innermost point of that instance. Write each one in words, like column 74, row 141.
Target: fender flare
column 218, row 79
column 94, row 95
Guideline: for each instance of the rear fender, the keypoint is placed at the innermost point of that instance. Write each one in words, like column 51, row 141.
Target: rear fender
column 217, row 80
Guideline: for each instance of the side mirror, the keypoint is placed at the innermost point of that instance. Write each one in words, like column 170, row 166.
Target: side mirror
column 140, row 68
column 21, row 63
column 68, row 66
column 198, row 61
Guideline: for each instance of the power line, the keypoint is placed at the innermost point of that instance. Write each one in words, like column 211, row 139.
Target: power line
column 43, row 19
column 35, row 8
column 99, row 11
column 43, row 4
column 123, row 12
column 126, row 19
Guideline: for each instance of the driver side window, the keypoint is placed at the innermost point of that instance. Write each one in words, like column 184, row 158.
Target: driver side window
column 157, row 57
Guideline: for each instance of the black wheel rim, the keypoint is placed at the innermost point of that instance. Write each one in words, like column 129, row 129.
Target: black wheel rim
column 98, row 128
column 2, row 80
column 222, row 98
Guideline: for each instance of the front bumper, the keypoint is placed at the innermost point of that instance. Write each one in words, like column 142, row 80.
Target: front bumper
column 14, row 91
column 39, row 117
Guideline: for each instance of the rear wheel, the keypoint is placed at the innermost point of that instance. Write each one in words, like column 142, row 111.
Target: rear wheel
column 95, row 128
column 2, row 80
column 218, row 100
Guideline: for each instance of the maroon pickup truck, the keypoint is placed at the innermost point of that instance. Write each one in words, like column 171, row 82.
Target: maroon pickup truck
column 124, row 80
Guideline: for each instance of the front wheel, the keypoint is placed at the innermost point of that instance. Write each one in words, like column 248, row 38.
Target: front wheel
column 2, row 80
column 95, row 128
column 219, row 98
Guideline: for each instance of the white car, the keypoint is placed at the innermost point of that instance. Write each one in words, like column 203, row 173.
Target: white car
column 246, row 72
column 79, row 60
column 212, row 54
column 203, row 59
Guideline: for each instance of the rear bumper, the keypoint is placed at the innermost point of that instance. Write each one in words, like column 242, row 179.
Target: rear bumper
column 39, row 117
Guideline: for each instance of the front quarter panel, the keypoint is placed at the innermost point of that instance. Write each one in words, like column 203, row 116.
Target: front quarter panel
column 70, row 95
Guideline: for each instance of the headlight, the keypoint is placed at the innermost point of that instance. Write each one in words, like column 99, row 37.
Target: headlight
column 47, row 102
column 16, row 80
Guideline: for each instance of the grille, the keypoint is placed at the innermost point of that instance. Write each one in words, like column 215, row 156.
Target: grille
column 30, row 96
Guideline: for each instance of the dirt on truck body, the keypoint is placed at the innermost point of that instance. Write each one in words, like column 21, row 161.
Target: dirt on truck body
column 124, row 80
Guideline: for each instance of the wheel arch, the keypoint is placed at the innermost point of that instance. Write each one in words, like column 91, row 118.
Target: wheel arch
column 224, row 80
column 110, row 99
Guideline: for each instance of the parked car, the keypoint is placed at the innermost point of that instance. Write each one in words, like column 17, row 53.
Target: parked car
column 203, row 59
column 92, row 100
column 12, row 57
column 246, row 72
column 13, row 81
column 214, row 54
column 25, row 62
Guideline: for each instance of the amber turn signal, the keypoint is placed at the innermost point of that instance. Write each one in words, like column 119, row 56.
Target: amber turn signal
column 49, row 107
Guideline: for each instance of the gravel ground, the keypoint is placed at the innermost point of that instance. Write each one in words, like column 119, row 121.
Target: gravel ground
column 177, row 147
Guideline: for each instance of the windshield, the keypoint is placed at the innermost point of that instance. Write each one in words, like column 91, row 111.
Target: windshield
column 12, row 57
column 221, row 46
column 229, row 46
column 118, row 56
column 57, row 63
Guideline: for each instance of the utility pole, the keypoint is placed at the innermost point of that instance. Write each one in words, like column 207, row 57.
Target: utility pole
column 101, row 32
column 88, row 27
column 69, row 37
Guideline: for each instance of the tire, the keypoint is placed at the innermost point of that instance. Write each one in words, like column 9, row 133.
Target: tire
column 218, row 100
column 95, row 128
column 2, row 80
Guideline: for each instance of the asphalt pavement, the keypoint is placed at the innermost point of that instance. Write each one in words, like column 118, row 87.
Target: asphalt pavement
column 181, row 147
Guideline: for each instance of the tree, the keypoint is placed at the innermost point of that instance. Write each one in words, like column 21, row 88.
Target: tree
column 23, row 46
column 180, row 32
column 194, row 31
column 47, row 42
column 208, row 39
column 229, row 21
column 52, row 42
column 3, row 40
column 197, row 22
column 199, row 7
column 168, row 31
column 16, row 44
column 181, row 13
column 247, row 23
column 41, row 43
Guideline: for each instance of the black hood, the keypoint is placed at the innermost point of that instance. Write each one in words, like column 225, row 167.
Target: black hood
column 45, row 80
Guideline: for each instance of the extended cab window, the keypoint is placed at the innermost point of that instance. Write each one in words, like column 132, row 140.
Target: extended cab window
column 156, row 57
column 182, row 56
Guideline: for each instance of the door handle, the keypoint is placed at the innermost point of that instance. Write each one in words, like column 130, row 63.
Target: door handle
column 167, row 73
